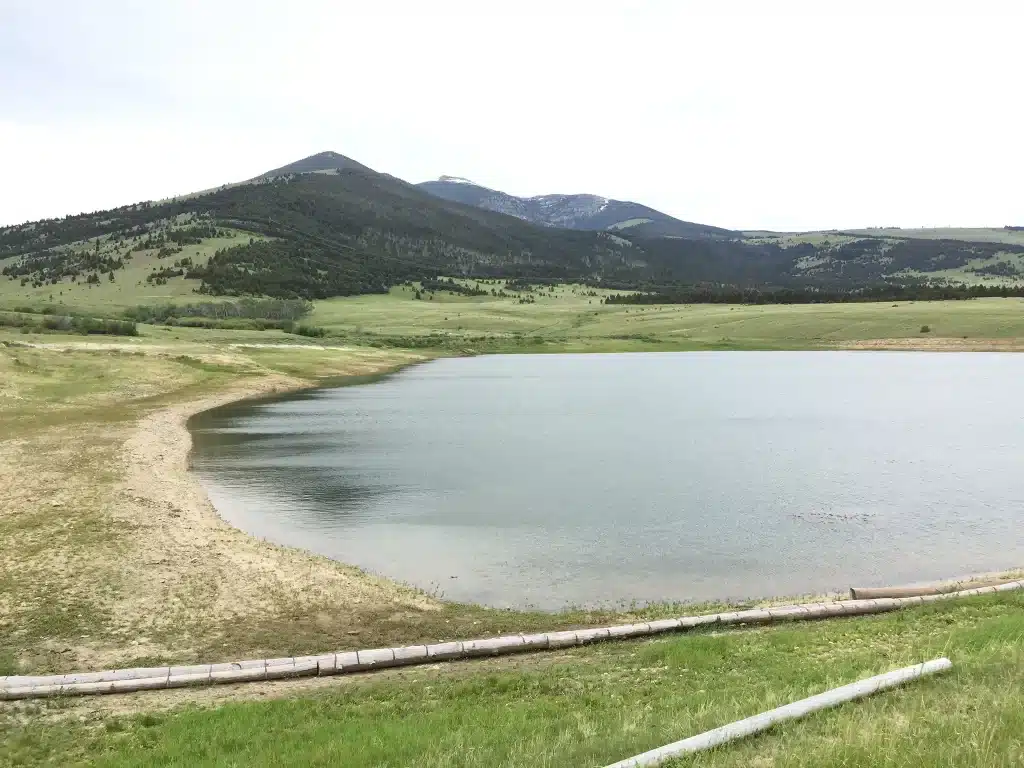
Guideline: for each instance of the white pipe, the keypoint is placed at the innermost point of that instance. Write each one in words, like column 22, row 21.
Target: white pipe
column 797, row 709
column 873, row 593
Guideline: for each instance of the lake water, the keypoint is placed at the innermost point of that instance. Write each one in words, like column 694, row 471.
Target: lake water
column 548, row 480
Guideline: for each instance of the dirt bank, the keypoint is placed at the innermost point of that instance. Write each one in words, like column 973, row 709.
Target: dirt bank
column 183, row 541
column 112, row 552
column 937, row 344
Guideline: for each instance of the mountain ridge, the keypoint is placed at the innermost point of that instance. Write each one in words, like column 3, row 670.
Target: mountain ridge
column 327, row 225
column 582, row 211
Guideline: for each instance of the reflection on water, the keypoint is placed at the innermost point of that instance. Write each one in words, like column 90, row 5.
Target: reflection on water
column 594, row 479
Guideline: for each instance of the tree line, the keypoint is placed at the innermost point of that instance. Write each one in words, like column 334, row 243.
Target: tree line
column 246, row 314
column 725, row 294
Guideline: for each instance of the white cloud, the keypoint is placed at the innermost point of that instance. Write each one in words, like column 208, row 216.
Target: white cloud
column 724, row 113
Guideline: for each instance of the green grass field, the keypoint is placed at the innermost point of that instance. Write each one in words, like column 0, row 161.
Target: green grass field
column 568, row 320
column 595, row 705
column 970, row 234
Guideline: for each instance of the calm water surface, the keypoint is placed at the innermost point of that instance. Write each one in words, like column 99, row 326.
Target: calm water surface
column 547, row 480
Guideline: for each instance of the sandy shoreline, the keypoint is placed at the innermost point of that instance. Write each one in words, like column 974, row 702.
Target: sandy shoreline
column 937, row 344
column 182, row 533
column 115, row 552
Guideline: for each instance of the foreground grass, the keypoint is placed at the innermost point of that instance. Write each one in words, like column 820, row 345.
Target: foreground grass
column 591, row 706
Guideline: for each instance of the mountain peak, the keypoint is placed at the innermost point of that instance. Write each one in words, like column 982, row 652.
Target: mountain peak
column 581, row 211
column 322, row 162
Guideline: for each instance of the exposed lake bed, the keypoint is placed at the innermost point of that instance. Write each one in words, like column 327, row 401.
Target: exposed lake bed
column 550, row 480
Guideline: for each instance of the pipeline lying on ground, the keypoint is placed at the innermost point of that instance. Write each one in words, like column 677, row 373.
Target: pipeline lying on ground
column 149, row 678
column 873, row 593
column 798, row 709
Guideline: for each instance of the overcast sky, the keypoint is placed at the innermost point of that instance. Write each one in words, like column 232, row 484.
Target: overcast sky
column 783, row 118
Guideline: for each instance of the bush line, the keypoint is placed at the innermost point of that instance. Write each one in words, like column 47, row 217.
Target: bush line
column 50, row 323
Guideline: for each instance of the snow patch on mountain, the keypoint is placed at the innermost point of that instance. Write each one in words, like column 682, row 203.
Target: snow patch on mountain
column 458, row 180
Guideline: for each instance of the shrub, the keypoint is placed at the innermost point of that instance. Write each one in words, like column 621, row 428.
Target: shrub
column 230, row 324
column 247, row 308
column 68, row 324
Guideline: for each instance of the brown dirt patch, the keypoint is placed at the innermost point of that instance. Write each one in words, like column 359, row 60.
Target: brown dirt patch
column 937, row 344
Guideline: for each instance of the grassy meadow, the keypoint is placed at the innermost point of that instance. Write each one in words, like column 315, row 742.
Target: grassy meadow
column 567, row 319
column 591, row 706
column 570, row 318
column 129, row 287
column 970, row 234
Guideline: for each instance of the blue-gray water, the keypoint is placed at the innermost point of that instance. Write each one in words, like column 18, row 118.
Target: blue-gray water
column 550, row 480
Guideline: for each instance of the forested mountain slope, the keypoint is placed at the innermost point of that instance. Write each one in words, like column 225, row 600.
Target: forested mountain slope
column 315, row 235
column 328, row 226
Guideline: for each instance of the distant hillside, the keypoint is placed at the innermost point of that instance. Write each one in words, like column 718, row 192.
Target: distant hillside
column 330, row 226
column 1008, row 234
column 587, row 212
column 313, row 235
